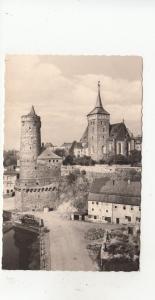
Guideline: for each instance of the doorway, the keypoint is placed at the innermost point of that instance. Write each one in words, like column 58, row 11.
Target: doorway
column 117, row 220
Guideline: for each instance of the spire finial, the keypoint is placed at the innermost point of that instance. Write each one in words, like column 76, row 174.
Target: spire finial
column 98, row 86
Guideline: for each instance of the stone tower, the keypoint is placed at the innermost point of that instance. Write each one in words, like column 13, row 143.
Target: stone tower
column 30, row 145
column 98, row 130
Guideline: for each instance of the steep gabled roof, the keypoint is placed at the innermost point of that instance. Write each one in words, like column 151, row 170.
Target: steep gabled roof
column 119, row 131
column 84, row 138
column 32, row 111
column 98, row 107
column 48, row 154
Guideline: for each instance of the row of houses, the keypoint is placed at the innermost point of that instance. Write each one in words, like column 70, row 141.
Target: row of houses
column 115, row 201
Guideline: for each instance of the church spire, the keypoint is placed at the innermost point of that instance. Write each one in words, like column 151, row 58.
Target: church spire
column 98, row 107
column 98, row 102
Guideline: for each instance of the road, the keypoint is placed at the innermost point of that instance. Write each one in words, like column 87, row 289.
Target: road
column 67, row 244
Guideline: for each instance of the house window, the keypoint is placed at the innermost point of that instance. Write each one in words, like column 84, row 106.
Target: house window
column 131, row 207
column 115, row 206
column 128, row 218
column 95, row 217
column 49, row 160
column 92, row 208
column 97, row 202
column 124, row 207
column 108, row 219
column 106, row 210
column 139, row 209
column 92, row 202
column 137, row 219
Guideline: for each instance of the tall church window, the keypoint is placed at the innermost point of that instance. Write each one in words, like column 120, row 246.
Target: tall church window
column 119, row 148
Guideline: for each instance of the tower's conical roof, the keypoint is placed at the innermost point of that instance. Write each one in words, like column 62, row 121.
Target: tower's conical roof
column 32, row 111
column 98, row 107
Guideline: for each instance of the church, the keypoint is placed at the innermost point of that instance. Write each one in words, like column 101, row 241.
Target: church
column 102, row 139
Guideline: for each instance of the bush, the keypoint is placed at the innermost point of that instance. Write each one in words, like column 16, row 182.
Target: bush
column 135, row 157
column 118, row 159
column 69, row 160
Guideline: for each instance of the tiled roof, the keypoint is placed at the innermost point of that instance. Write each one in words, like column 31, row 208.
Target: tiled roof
column 116, row 199
column 119, row 131
column 115, row 191
column 66, row 145
column 11, row 173
column 48, row 154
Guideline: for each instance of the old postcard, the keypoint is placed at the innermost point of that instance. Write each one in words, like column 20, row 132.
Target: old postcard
column 72, row 163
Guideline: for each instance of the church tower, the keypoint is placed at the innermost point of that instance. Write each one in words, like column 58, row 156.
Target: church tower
column 30, row 145
column 98, row 130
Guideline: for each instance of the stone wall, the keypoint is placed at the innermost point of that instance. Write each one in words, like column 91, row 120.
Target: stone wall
column 36, row 198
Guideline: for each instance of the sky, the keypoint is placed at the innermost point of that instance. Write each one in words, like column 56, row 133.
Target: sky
column 63, row 90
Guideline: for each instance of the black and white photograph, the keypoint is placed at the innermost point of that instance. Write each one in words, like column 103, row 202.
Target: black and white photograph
column 72, row 163
column 77, row 149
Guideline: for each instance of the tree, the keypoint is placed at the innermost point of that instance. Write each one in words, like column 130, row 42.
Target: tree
column 84, row 161
column 10, row 158
column 69, row 160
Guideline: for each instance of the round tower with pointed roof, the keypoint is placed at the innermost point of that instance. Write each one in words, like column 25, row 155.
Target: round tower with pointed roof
column 30, row 145
column 98, row 130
